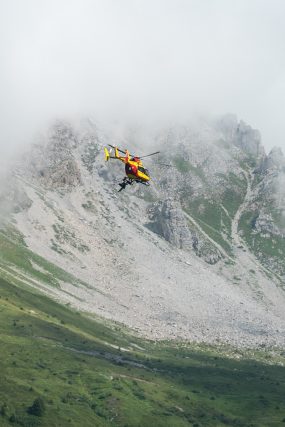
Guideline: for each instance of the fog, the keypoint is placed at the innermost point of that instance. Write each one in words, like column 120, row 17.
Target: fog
column 146, row 61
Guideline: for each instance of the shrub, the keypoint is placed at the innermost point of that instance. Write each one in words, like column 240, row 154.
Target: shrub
column 37, row 408
column 13, row 418
column 3, row 409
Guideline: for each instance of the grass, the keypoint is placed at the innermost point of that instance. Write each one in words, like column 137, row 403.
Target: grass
column 209, row 213
column 206, row 210
column 270, row 250
column 277, row 215
column 248, row 162
column 184, row 166
column 51, row 352
column 14, row 253
column 88, row 371
column 212, row 219
column 235, row 191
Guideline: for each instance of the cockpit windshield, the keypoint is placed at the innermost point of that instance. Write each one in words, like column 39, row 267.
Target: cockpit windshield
column 143, row 170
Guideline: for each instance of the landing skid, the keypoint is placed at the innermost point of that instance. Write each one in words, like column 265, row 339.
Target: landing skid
column 127, row 181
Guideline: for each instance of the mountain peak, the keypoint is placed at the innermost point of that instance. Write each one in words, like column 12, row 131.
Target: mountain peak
column 248, row 139
column 241, row 135
column 275, row 161
column 276, row 154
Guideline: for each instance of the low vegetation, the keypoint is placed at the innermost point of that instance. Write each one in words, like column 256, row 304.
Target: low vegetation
column 270, row 250
column 59, row 367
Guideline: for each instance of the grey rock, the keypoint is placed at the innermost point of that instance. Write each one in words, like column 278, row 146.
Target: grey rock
column 275, row 161
column 52, row 161
column 168, row 221
column 265, row 225
column 249, row 140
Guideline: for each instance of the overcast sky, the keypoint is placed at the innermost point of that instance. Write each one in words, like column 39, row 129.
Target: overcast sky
column 141, row 59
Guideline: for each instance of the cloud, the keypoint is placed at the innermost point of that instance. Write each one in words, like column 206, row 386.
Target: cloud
column 143, row 60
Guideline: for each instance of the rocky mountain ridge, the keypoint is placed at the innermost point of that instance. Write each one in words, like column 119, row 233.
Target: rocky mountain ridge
column 199, row 255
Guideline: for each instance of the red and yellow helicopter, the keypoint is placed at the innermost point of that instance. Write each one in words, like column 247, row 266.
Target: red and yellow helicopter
column 133, row 166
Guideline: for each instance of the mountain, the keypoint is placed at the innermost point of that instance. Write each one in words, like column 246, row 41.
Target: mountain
column 198, row 255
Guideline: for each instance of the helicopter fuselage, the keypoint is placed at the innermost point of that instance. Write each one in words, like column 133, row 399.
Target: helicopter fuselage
column 135, row 170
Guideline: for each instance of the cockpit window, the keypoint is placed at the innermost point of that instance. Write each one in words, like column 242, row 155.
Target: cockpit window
column 128, row 168
column 143, row 170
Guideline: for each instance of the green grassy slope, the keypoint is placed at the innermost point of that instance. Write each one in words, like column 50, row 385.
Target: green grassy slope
column 97, row 374
column 213, row 213
column 269, row 249
column 69, row 360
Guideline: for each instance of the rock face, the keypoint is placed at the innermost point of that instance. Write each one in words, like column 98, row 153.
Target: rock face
column 265, row 225
column 197, row 255
column 52, row 160
column 275, row 161
column 63, row 174
column 241, row 135
column 249, row 140
column 168, row 221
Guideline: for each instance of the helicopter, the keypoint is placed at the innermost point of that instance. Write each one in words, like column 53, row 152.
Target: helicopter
column 135, row 171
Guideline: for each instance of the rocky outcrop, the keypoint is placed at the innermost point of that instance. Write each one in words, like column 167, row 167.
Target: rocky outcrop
column 265, row 225
column 65, row 174
column 274, row 162
column 249, row 140
column 51, row 161
column 168, row 221
column 241, row 135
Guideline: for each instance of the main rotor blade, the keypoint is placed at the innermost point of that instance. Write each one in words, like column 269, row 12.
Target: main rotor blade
column 121, row 151
column 148, row 155
column 140, row 157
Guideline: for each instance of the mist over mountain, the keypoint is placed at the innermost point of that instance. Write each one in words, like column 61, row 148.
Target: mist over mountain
column 140, row 61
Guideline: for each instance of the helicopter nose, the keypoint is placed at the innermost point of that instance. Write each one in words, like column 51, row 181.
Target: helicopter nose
column 134, row 169
column 131, row 169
